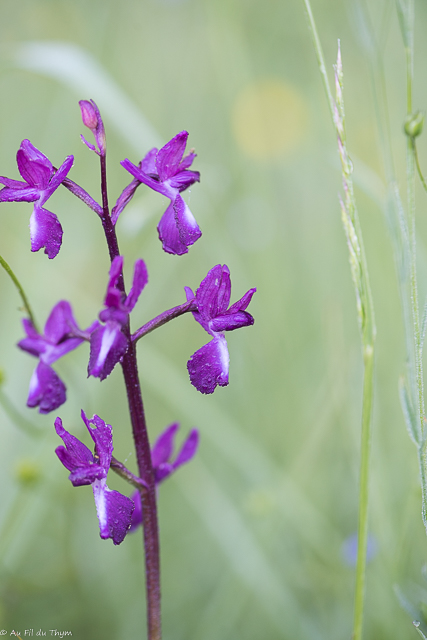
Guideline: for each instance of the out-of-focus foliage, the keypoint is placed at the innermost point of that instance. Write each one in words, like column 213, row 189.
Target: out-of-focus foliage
column 254, row 531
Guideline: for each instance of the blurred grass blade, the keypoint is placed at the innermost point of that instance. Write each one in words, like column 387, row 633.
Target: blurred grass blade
column 408, row 411
column 423, row 325
column 75, row 67
column 247, row 559
column 405, row 13
column 249, row 457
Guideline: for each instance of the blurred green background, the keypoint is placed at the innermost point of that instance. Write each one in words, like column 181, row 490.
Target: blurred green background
column 254, row 531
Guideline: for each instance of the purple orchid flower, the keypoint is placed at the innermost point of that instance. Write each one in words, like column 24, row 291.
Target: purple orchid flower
column 114, row 509
column 61, row 335
column 166, row 171
column 108, row 344
column 208, row 367
column 161, row 454
column 41, row 180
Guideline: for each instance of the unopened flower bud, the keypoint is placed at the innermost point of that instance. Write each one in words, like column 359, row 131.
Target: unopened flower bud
column 92, row 119
column 414, row 124
column 89, row 115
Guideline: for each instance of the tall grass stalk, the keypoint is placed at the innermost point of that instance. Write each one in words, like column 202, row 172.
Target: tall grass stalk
column 402, row 226
column 365, row 310
column 406, row 19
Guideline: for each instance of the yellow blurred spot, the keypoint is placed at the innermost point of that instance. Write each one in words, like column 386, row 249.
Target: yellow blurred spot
column 28, row 472
column 260, row 503
column 269, row 118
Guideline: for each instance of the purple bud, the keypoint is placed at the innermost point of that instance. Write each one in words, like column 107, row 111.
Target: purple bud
column 89, row 115
column 92, row 119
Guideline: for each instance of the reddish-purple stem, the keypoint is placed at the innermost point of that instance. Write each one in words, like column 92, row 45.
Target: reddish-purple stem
column 163, row 318
column 142, row 445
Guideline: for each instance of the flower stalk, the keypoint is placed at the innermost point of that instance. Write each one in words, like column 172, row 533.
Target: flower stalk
column 140, row 436
column 365, row 312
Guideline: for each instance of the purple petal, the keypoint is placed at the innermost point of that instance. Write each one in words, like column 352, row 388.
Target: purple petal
column 188, row 449
column 47, row 391
column 188, row 293
column 33, row 165
column 75, row 453
column 184, row 179
column 187, row 161
column 88, row 144
column 169, row 234
column 102, row 435
column 60, row 322
column 15, row 184
column 113, row 297
column 114, row 314
column 164, row 445
column 124, row 199
column 54, row 344
column 143, row 177
column 140, row 279
column 59, row 176
column 52, row 353
column 213, row 295
column 188, row 228
column 148, row 163
column 107, row 347
column 243, row 303
column 45, row 231
column 162, row 472
column 137, row 514
column 169, row 156
column 18, row 194
column 114, row 512
column 208, row 367
column 34, row 343
column 229, row 322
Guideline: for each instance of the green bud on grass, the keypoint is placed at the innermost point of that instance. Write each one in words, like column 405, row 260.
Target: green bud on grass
column 414, row 124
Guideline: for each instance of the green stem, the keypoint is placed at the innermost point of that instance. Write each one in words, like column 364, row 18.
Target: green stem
column 21, row 291
column 362, row 533
column 320, row 57
column 417, row 164
column 368, row 331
